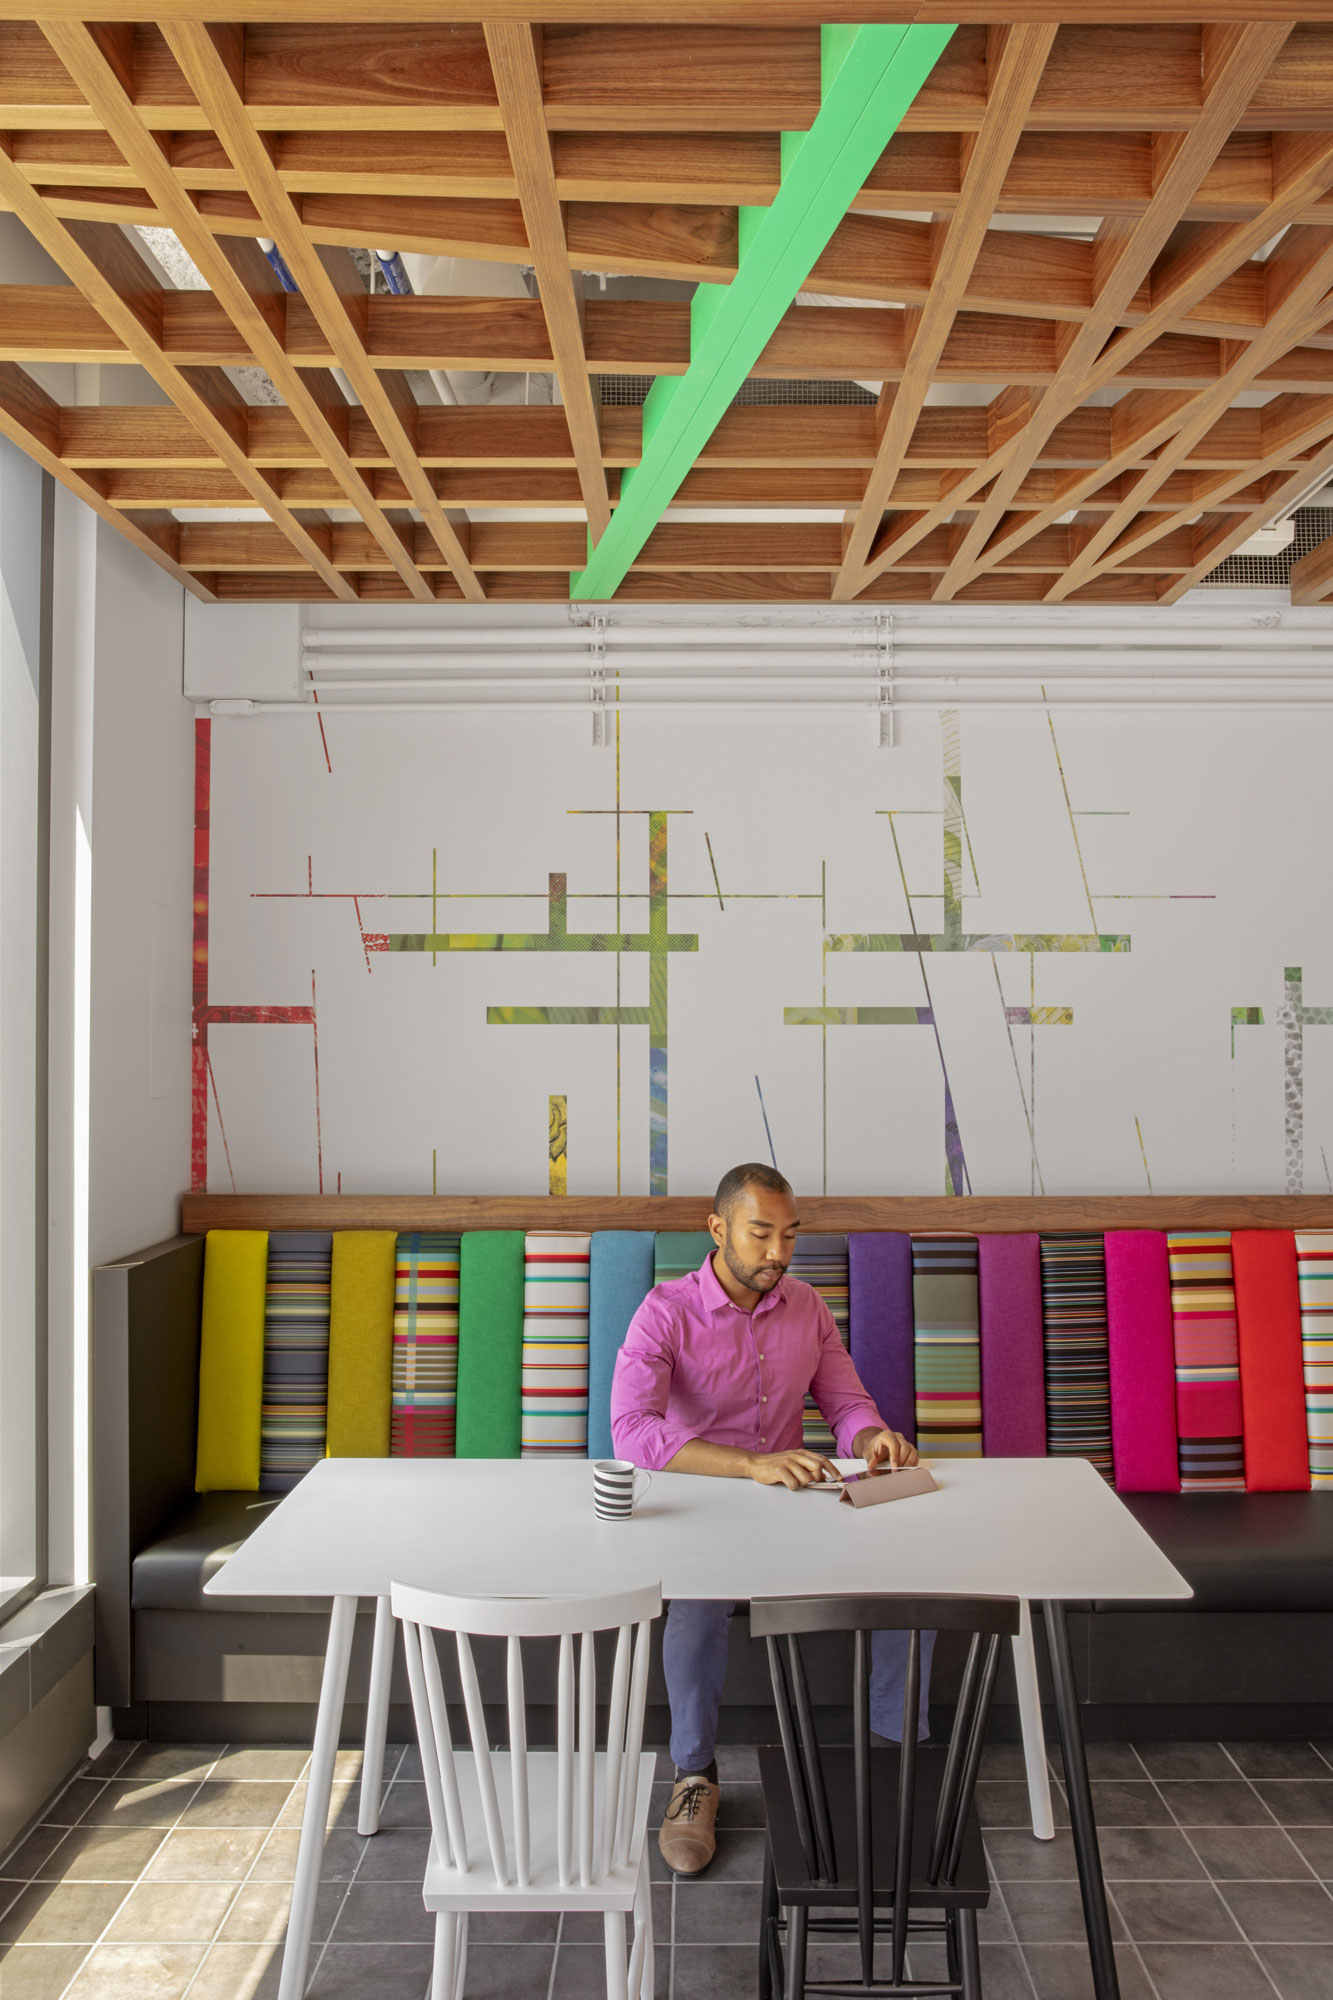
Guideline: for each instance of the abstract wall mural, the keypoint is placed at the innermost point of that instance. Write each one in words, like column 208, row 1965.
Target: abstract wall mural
column 696, row 916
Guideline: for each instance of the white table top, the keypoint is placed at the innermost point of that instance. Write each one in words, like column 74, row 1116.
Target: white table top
column 1022, row 1527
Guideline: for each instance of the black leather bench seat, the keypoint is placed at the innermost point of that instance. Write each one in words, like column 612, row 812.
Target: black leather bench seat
column 1240, row 1551
column 1243, row 1551
column 170, row 1573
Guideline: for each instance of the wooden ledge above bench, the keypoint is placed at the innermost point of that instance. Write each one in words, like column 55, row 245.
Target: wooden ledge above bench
column 970, row 1214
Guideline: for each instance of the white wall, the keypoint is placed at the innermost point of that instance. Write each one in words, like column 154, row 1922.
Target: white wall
column 121, row 814
column 20, row 1149
column 1203, row 838
column 143, row 802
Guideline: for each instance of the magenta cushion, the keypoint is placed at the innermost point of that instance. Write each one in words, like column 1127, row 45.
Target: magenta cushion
column 1013, row 1377
column 1142, row 1357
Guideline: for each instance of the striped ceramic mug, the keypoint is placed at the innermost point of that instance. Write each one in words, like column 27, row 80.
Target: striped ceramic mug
column 615, row 1489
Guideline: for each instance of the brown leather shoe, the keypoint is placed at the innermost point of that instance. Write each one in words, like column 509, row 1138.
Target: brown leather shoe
column 688, row 1837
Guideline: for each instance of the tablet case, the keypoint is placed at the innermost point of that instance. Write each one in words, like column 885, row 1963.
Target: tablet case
column 888, row 1486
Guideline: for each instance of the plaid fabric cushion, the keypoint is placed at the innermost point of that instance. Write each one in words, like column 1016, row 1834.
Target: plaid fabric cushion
column 425, row 1347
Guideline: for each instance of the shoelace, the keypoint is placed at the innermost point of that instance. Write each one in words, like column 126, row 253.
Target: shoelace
column 689, row 1801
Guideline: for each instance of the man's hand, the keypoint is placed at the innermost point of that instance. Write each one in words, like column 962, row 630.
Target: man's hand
column 885, row 1451
column 794, row 1469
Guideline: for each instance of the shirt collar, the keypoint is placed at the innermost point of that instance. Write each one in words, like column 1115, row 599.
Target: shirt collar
column 716, row 1300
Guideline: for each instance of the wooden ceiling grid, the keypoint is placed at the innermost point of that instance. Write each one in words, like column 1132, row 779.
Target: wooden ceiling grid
column 1102, row 453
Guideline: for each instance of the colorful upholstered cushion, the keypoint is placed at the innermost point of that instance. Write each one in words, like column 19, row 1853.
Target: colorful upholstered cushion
column 620, row 1277
column 1203, row 1316
column 1142, row 1362
column 296, row 1356
column 1013, row 1383
column 677, row 1252
column 880, row 1324
column 361, row 1287
column 821, row 1262
column 948, row 1352
column 231, row 1360
column 1073, row 1312
column 425, row 1346
column 490, row 1344
column 1314, row 1269
column 1272, row 1387
column 555, row 1346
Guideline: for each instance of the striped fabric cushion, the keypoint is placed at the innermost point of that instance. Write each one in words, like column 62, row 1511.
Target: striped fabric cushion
column 1203, row 1315
column 821, row 1261
column 948, row 1346
column 425, row 1346
column 1078, row 1382
column 1314, row 1264
column 296, row 1356
column 555, row 1346
column 677, row 1252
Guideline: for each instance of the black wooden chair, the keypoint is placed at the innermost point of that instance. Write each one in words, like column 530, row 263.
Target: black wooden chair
column 868, row 1843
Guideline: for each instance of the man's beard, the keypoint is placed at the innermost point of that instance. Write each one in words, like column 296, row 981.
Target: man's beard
column 752, row 1276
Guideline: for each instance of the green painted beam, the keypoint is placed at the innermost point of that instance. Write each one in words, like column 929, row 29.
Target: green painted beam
column 870, row 76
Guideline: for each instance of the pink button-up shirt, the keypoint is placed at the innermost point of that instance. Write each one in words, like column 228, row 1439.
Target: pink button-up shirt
column 695, row 1365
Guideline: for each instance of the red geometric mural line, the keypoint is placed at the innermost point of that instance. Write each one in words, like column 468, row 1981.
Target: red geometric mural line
column 204, row 1015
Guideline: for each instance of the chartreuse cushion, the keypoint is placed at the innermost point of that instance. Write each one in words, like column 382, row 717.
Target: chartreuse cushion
column 490, row 1344
column 360, row 1343
column 231, row 1360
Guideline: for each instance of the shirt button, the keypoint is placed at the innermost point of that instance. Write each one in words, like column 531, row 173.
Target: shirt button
column 763, row 1399
column 761, row 1357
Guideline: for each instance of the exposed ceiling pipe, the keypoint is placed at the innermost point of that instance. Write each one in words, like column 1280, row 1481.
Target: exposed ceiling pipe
column 395, row 274
column 278, row 263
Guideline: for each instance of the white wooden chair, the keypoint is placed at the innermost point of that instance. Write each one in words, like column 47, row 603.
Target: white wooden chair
column 520, row 1829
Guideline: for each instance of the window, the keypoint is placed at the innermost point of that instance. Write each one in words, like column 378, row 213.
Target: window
column 25, row 513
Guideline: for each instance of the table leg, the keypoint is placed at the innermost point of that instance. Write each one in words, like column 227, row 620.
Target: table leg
column 1105, row 1981
column 319, row 1789
column 1034, row 1734
column 377, row 1720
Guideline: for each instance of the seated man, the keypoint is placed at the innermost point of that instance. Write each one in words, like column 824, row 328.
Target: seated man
column 712, row 1378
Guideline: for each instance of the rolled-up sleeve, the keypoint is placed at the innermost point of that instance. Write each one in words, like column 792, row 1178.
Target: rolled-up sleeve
column 641, row 1391
column 838, row 1390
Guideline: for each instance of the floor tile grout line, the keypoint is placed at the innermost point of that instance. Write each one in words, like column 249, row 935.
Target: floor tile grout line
column 385, row 1789
column 998, row 1887
column 232, row 1901
column 1216, row 1886
column 164, row 1833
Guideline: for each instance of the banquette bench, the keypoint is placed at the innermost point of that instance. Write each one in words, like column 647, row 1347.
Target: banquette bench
column 1251, row 1654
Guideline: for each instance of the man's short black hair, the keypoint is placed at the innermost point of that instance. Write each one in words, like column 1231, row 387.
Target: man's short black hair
column 753, row 1174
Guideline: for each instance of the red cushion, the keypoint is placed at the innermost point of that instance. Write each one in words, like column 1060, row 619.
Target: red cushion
column 1272, row 1389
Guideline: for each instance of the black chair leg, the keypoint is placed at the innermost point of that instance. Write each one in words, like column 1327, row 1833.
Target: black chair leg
column 798, row 1920
column 768, row 1917
column 969, row 1955
column 951, row 1945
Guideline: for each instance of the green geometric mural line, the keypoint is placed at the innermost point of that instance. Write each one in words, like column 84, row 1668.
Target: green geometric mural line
column 1293, row 1017
column 869, row 77
column 658, row 942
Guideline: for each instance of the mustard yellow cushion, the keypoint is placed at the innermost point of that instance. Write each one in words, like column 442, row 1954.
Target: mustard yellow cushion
column 361, row 1343
column 231, row 1360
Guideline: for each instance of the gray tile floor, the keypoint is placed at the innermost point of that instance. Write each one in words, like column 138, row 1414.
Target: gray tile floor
column 164, row 1870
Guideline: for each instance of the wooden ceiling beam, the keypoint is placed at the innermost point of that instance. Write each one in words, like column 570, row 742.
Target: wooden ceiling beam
column 1312, row 575
column 1299, row 275
column 1234, row 65
column 516, row 53
column 1051, row 173
column 1019, row 56
column 637, row 337
column 30, row 419
column 328, row 281
column 241, row 281
column 119, row 288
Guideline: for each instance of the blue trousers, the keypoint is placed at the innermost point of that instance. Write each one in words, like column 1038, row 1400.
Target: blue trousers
column 694, row 1657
